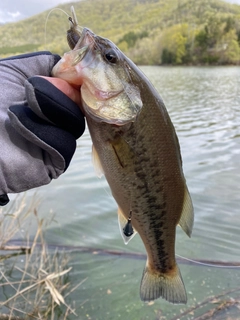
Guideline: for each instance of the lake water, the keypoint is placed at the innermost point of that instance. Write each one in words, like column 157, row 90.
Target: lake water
column 204, row 105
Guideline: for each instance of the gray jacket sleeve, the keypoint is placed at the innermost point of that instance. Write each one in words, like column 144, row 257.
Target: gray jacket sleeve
column 34, row 148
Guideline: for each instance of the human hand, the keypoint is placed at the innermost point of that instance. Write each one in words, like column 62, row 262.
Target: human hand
column 40, row 121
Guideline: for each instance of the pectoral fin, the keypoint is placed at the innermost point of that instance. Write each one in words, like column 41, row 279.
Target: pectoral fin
column 125, row 226
column 187, row 217
column 97, row 163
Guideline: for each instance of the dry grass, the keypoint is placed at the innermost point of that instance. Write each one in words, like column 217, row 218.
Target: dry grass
column 12, row 220
column 37, row 290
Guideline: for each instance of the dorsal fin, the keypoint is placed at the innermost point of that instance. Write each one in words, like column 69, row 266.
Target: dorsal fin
column 187, row 217
column 97, row 163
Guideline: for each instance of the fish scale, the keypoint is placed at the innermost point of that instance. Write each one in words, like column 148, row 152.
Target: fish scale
column 136, row 147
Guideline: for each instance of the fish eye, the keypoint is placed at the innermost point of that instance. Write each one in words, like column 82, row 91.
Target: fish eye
column 111, row 56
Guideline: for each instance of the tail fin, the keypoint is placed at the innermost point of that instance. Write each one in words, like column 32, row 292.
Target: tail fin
column 169, row 286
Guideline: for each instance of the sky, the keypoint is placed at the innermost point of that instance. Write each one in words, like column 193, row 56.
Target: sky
column 14, row 10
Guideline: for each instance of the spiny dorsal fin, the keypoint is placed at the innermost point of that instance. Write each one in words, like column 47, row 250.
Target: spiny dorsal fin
column 97, row 163
column 122, row 221
column 187, row 217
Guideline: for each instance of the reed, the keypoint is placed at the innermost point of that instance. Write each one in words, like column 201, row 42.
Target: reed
column 39, row 288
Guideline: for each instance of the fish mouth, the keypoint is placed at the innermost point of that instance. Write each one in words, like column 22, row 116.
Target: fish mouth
column 87, row 38
column 83, row 46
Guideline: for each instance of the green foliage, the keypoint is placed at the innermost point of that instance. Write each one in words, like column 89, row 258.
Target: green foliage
column 214, row 42
column 148, row 31
column 175, row 40
column 168, row 57
column 217, row 41
column 229, row 48
column 131, row 38
column 201, row 39
column 146, row 51
column 230, row 24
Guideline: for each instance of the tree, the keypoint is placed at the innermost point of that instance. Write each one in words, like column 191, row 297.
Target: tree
column 180, row 43
column 230, row 50
column 174, row 43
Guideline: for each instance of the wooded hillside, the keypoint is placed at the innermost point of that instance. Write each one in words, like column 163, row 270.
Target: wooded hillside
column 148, row 31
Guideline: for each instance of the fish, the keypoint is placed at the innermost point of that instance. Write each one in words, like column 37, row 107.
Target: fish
column 136, row 147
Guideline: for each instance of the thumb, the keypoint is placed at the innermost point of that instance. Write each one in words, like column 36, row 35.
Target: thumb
column 72, row 92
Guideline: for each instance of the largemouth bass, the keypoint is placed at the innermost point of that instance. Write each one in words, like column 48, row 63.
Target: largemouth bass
column 136, row 147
